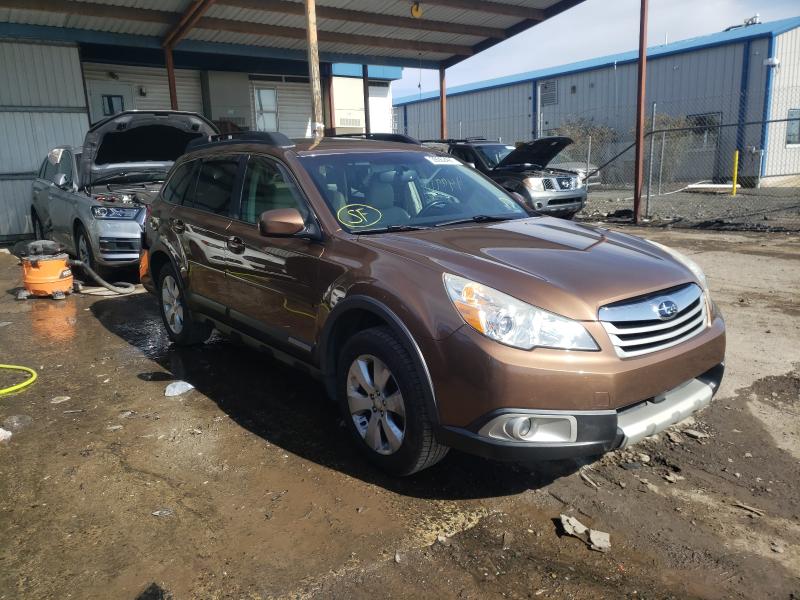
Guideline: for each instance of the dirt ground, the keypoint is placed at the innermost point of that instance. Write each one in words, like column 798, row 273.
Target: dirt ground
column 765, row 209
column 247, row 487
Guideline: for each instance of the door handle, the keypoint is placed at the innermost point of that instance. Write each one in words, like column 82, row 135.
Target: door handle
column 177, row 225
column 235, row 245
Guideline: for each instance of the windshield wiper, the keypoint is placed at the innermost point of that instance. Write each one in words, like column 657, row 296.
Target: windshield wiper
column 476, row 219
column 123, row 174
column 390, row 229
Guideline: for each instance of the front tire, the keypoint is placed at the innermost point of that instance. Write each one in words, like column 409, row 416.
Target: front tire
column 85, row 254
column 179, row 322
column 382, row 397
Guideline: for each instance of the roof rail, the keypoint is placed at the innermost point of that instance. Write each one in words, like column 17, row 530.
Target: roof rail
column 476, row 138
column 271, row 138
column 381, row 137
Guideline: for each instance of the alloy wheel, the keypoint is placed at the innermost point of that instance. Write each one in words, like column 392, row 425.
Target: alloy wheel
column 83, row 250
column 376, row 404
column 171, row 303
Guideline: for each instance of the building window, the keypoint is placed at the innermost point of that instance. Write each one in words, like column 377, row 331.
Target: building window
column 793, row 128
column 266, row 102
column 705, row 130
column 112, row 104
column 548, row 92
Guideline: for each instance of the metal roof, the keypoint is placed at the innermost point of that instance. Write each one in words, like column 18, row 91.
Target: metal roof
column 715, row 39
column 447, row 32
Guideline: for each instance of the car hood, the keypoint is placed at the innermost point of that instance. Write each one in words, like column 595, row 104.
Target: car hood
column 139, row 141
column 564, row 267
column 538, row 152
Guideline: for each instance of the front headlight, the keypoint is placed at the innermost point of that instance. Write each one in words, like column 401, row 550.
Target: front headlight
column 686, row 262
column 510, row 321
column 114, row 212
column 534, row 184
column 579, row 181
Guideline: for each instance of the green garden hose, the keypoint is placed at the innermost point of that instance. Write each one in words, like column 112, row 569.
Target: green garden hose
column 19, row 386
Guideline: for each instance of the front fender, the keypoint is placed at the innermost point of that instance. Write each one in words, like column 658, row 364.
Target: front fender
column 328, row 345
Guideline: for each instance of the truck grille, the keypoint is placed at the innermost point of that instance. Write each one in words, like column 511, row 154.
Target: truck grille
column 564, row 183
column 643, row 325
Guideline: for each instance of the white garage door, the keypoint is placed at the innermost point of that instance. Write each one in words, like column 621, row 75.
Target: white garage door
column 283, row 101
column 42, row 105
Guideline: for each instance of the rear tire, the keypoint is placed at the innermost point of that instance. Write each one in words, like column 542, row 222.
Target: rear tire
column 382, row 397
column 181, row 326
column 38, row 229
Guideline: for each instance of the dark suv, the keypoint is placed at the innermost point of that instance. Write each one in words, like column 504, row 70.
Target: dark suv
column 436, row 310
column 539, row 171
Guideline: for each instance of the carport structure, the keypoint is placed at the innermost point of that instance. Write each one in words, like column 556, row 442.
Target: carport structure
column 253, row 36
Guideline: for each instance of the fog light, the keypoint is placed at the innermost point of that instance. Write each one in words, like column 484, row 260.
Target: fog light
column 540, row 428
column 539, row 205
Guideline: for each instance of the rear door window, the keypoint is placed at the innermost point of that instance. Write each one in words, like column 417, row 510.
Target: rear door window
column 215, row 186
column 181, row 184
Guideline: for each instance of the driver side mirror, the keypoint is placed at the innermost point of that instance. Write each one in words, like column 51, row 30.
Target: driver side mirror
column 281, row 222
column 60, row 180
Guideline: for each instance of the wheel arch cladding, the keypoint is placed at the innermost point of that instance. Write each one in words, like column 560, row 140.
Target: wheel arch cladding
column 355, row 314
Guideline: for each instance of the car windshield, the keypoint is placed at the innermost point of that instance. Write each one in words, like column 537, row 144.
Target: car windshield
column 386, row 191
column 493, row 153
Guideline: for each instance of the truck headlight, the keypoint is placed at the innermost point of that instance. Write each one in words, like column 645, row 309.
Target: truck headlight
column 114, row 212
column 512, row 322
column 534, row 184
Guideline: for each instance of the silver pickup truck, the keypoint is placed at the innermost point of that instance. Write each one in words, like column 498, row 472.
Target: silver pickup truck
column 92, row 199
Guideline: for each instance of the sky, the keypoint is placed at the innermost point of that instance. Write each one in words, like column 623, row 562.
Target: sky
column 597, row 28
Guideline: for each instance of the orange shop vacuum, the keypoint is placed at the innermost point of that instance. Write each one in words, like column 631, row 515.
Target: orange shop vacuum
column 47, row 272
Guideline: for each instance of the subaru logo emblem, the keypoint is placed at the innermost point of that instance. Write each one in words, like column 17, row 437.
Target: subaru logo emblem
column 666, row 310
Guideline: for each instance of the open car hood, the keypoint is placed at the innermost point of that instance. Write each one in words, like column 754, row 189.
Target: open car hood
column 538, row 152
column 139, row 141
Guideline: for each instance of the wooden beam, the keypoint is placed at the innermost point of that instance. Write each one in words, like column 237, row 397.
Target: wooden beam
column 497, row 8
column 188, row 20
column 317, row 126
column 173, row 89
column 333, row 37
column 285, row 7
column 365, row 91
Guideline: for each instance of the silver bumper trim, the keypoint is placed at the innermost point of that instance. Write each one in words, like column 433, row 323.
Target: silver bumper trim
column 648, row 418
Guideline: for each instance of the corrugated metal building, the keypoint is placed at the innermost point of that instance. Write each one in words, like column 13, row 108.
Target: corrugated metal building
column 749, row 73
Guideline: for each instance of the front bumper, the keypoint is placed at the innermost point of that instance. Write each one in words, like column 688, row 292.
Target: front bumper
column 596, row 432
column 559, row 202
column 115, row 243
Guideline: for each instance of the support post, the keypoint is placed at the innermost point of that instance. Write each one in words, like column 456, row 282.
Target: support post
column 173, row 90
column 650, row 163
column 588, row 162
column 661, row 160
column 638, row 169
column 331, row 106
column 442, row 105
column 365, row 89
column 317, row 126
column 735, row 171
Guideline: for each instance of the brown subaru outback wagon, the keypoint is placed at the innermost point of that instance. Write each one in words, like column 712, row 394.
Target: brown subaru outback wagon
column 437, row 310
